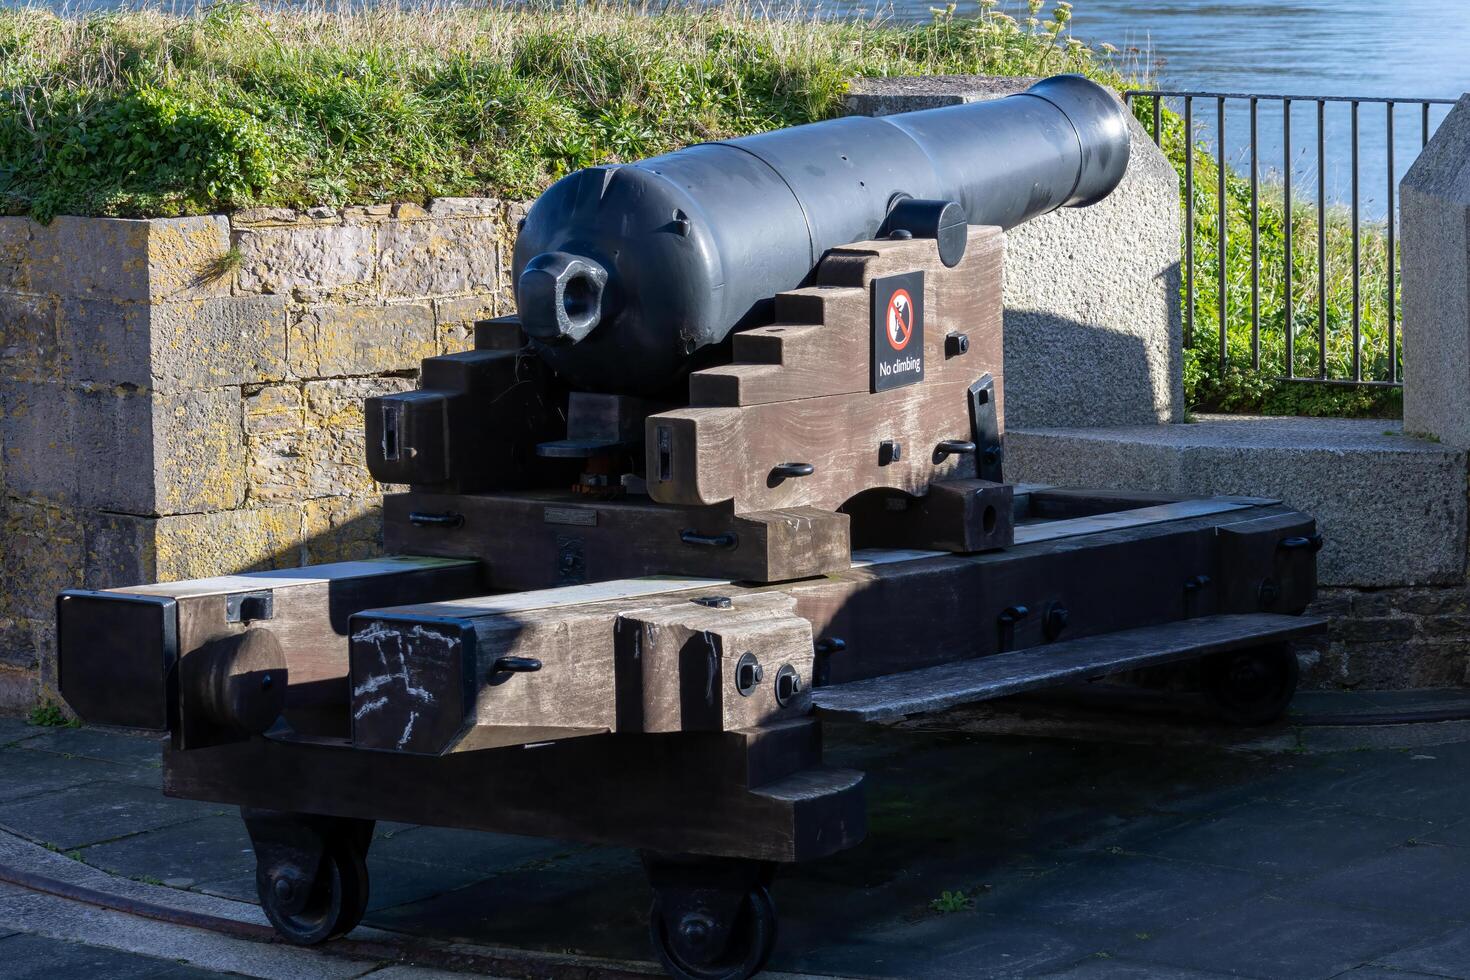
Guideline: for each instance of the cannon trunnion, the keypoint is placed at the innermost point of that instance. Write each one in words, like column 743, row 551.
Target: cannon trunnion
column 736, row 468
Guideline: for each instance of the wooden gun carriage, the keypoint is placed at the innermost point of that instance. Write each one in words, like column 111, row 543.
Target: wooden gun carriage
column 622, row 618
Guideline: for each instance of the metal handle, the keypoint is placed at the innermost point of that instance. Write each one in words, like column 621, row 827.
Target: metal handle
column 726, row 540
column 952, row 447
column 1013, row 614
column 785, row 471
column 516, row 665
column 447, row 519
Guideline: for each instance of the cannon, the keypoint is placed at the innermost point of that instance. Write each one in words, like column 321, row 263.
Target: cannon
column 625, row 274
column 735, row 469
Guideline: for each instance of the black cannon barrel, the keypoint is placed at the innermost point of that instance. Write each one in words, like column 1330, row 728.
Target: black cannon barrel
column 624, row 273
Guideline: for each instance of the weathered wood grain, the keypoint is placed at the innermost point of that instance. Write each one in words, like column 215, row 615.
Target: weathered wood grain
column 677, row 665
column 936, row 688
column 761, row 794
column 820, row 343
column 707, row 456
column 546, row 539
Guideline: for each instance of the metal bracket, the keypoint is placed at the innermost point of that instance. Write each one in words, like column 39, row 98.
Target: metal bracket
column 985, row 430
column 244, row 607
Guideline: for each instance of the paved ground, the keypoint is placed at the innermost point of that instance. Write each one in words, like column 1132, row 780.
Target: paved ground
column 1087, row 844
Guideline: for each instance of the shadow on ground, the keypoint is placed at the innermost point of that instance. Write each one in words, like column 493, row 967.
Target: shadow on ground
column 1163, row 849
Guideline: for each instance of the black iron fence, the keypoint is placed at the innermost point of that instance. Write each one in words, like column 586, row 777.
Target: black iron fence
column 1312, row 317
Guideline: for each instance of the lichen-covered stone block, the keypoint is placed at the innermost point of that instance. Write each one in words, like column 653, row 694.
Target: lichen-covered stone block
column 157, row 260
column 152, row 453
column 15, row 252
column 39, row 439
column 190, row 344
column 440, row 256
column 306, row 441
column 42, row 541
column 342, row 528
column 336, row 341
column 306, row 255
column 248, row 539
column 335, row 453
column 30, row 342
column 454, row 319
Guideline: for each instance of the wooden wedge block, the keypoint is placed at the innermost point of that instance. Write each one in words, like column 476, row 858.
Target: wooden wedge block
column 822, row 338
column 738, row 662
column 705, row 456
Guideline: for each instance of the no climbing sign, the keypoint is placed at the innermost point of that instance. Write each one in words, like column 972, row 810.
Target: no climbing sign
column 898, row 330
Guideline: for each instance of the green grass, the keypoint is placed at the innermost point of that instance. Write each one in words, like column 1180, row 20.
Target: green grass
column 1242, row 385
column 148, row 114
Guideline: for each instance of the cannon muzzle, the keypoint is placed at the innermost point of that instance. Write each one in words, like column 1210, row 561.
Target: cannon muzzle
column 623, row 274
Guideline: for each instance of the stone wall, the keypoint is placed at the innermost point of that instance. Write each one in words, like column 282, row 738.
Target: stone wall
column 183, row 397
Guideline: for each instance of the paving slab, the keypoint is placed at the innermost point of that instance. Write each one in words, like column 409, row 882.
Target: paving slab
column 14, row 729
column 26, row 774
column 181, row 854
column 1444, row 955
column 960, row 945
column 95, row 812
column 445, row 847
column 1278, row 839
column 1426, row 879
column 1128, row 894
column 1275, row 938
column 38, row 958
column 104, row 746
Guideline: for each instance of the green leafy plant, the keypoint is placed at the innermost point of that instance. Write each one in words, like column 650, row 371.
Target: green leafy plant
column 49, row 714
column 951, row 901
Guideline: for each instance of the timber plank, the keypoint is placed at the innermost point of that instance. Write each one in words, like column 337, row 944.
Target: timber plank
column 542, row 540
column 935, row 688
column 690, row 792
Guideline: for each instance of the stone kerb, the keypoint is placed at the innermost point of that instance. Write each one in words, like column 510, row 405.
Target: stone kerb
column 1434, row 217
column 182, row 397
column 1092, row 316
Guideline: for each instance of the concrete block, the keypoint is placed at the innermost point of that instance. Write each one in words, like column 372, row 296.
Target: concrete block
column 189, row 344
column 440, row 256
column 307, row 255
column 1434, row 214
column 30, row 342
column 156, row 260
column 334, row 341
column 1092, row 321
column 1392, row 508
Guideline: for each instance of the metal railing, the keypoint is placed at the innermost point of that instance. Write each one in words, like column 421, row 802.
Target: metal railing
column 1184, row 104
